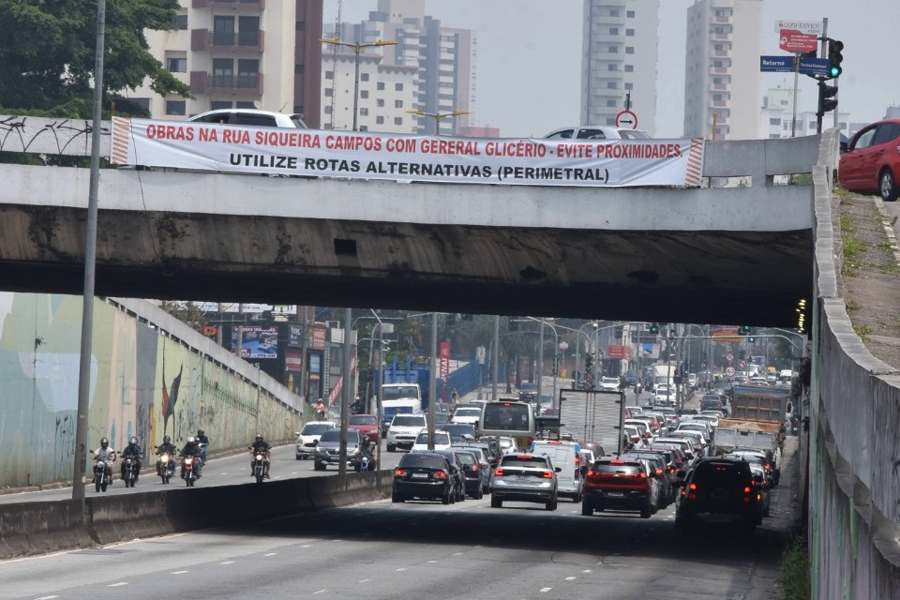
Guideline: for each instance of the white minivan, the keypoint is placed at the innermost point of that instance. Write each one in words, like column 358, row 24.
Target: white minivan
column 564, row 455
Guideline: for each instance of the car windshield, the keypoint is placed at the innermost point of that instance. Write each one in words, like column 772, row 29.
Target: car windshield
column 467, row 412
column 618, row 468
column 457, row 430
column 440, row 438
column 398, row 392
column 524, row 461
column 411, row 421
column 363, row 420
column 466, row 458
column 428, row 461
column 390, row 411
column 316, row 428
column 334, row 435
column 610, row 380
column 721, row 473
column 510, row 416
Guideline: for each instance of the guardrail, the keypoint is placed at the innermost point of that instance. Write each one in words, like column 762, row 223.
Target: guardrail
column 758, row 159
column 854, row 408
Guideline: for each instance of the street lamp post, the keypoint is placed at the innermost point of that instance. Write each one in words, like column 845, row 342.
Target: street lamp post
column 495, row 359
column 357, row 48
column 438, row 117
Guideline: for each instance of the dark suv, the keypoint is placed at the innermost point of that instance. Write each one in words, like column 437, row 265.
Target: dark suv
column 720, row 486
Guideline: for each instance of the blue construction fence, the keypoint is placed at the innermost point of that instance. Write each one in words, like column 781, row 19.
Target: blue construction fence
column 463, row 380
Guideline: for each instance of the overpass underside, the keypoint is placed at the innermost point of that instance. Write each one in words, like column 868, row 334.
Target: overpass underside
column 678, row 276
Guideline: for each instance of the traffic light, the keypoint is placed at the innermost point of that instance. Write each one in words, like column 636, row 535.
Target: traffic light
column 745, row 330
column 835, row 57
column 751, row 339
column 827, row 100
column 654, row 328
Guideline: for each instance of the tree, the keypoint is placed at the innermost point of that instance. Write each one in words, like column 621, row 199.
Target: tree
column 47, row 53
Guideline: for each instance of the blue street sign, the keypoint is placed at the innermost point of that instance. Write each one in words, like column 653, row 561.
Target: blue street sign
column 815, row 66
column 776, row 64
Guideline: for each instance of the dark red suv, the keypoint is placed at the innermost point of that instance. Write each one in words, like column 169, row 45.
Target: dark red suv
column 620, row 484
column 871, row 162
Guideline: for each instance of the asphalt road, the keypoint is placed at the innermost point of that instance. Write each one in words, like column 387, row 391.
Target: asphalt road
column 419, row 550
column 218, row 471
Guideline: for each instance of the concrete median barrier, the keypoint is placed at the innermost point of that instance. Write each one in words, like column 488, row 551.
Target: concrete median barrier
column 41, row 527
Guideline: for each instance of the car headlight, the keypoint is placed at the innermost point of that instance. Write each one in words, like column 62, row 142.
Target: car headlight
column 188, row 461
column 259, row 457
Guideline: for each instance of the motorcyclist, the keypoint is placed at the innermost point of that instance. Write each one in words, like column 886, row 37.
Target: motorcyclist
column 320, row 410
column 133, row 451
column 106, row 454
column 260, row 445
column 203, row 441
column 192, row 449
column 167, row 447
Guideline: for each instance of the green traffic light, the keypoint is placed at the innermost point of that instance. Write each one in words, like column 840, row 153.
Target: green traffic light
column 836, row 71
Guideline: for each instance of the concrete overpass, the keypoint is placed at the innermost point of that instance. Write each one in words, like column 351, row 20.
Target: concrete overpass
column 714, row 254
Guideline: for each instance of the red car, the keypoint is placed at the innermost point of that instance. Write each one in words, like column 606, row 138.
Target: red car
column 871, row 162
column 366, row 425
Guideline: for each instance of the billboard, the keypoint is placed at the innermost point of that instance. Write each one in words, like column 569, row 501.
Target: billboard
column 256, row 342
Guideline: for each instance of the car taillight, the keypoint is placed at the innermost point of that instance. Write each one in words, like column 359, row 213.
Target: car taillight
column 659, row 471
column 548, row 474
column 440, row 474
column 592, row 473
column 693, row 487
column 499, row 472
column 643, row 475
column 399, row 472
column 475, row 468
column 747, row 490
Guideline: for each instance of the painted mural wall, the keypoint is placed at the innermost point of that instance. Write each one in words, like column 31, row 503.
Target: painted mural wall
column 143, row 382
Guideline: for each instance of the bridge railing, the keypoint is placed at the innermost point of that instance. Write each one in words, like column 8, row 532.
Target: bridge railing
column 760, row 160
column 854, row 506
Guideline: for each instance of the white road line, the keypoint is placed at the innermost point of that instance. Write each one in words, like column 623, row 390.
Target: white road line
column 179, row 572
column 119, row 584
column 586, row 571
column 224, row 474
column 457, row 554
column 545, row 590
column 47, row 597
column 293, row 472
column 432, row 562
column 270, row 554
column 227, row 562
column 401, row 569
column 322, row 591
column 570, row 578
column 364, row 580
column 306, row 546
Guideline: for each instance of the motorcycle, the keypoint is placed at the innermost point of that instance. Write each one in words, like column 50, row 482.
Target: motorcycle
column 102, row 473
column 259, row 467
column 165, row 467
column 131, row 471
column 189, row 470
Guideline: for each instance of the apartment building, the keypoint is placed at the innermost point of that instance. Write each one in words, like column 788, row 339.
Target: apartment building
column 442, row 56
column 722, row 81
column 776, row 116
column 619, row 55
column 262, row 54
column 386, row 94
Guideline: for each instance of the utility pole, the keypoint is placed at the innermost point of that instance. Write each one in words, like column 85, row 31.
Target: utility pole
column 304, row 350
column 823, row 54
column 90, row 260
column 796, row 85
column 432, row 381
column 347, row 389
column 495, row 359
column 438, row 117
column 540, row 365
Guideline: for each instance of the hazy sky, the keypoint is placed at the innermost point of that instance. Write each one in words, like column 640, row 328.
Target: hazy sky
column 529, row 62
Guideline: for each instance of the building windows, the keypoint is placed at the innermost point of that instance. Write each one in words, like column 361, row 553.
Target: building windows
column 364, row 112
column 398, row 103
column 328, row 110
column 176, row 107
column 610, row 102
column 364, row 94
column 252, row 105
column 181, row 22
column 629, row 68
column 774, row 121
column 329, row 74
column 363, row 76
column 379, row 120
column 380, row 86
column 398, row 120
column 299, row 69
column 629, row 32
column 220, row 104
column 611, row 85
column 363, row 127
column 614, row 12
column 142, row 104
column 176, row 62
column 629, row 86
column 613, row 49
column 398, row 87
column 380, row 103
column 248, row 73
column 610, row 120
column 329, row 92
column 613, row 31
column 630, row 14
column 612, row 67
column 629, row 50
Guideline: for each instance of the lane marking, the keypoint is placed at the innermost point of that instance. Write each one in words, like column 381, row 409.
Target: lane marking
column 570, row 578
column 47, row 597
column 364, row 580
column 322, row 591
column 586, row 571
column 545, row 590
column 401, row 569
column 227, row 562
column 119, row 584
column 457, row 554
column 271, row 554
column 179, row 572
column 432, row 562
column 306, row 546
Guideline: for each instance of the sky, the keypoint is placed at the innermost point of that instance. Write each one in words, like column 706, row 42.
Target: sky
column 529, row 63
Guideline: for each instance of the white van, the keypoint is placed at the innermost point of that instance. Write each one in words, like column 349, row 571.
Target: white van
column 566, row 456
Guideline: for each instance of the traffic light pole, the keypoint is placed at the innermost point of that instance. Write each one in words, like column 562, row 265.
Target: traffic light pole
column 824, row 52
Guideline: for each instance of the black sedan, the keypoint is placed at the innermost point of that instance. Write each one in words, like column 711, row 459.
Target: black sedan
column 424, row 476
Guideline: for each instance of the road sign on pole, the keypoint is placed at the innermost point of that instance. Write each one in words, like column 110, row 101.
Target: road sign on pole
column 777, row 64
column 799, row 36
column 815, row 67
column 626, row 119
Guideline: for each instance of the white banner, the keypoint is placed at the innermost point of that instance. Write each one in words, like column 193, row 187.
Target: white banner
column 344, row 154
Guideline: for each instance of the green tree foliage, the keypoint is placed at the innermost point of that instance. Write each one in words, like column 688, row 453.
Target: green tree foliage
column 47, row 53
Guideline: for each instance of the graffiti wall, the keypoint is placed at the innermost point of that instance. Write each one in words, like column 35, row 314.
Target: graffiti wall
column 143, row 382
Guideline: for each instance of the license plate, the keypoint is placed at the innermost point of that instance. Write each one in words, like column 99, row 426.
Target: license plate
column 420, row 475
column 615, row 494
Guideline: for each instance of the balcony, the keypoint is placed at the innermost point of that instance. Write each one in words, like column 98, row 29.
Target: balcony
column 248, row 85
column 240, row 41
column 234, row 5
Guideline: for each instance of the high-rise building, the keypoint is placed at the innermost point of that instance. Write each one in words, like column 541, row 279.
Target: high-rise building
column 442, row 56
column 777, row 115
column 244, row 54
column 722, row 83
column 619, row 55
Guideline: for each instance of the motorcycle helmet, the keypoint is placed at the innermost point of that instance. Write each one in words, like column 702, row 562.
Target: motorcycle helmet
column 104, row 443
column 191, row 440
column 259, row 437
column 167, row 439
column 200, row 433
column 133, row 441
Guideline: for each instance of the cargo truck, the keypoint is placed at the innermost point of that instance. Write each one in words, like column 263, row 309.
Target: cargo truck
column 757, row 421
